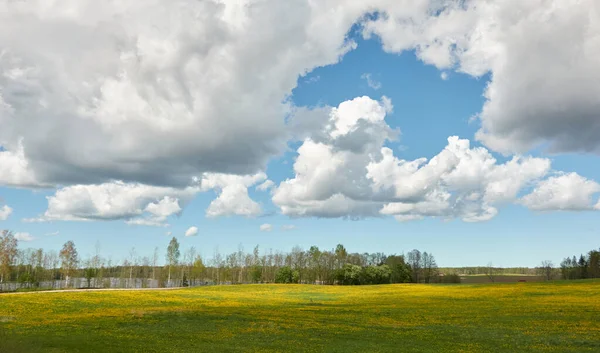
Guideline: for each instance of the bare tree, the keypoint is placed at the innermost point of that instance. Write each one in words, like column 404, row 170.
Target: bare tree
column 132, row 264
column 490, row 272
column 415, row 262
column 546, row 269
column 154, row 262
column 429, row 266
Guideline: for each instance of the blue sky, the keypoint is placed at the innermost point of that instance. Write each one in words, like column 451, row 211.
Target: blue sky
column 427, row 109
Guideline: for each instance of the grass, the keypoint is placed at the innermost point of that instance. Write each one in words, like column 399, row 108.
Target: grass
column 508, row 317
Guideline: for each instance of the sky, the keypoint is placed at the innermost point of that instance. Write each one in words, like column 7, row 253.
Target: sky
column 468, row 129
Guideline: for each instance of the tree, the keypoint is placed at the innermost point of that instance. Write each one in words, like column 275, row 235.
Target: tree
column 546, row 269
column 376, row 274
column 400, row 269
column 583, row 267
column 198, row 268
column 349, row 275
column 286, row 275
column 154, row 262
column 173, row 254
column 414, row 261
column 490, row 272
column 340, row 256
column 89, row 273
column 132, row 264
column 429, row 267
column 594, row 264
column 8, row 253
column 69, row 260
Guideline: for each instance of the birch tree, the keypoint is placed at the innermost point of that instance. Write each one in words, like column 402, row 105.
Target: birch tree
column 69, row 260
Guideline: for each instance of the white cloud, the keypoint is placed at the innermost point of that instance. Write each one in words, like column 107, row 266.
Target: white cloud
column 52, row 234
column 23, row 236
column 14, row 167
column 541, row 54
column 135, row 203
column 566, row 192
column 371, row 82
column 268, row 184
column 233, row 198
column 287, row 227
column 266, row 227
column 444, row 76
column 162, row 96
column 155, row 94
column 350, row 174
column 5, row 212
column 191, row 232
column 168, row 233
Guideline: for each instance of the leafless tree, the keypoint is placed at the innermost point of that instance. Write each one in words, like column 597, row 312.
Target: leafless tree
column 490, row 272
column 414, row 261
column 546, row 269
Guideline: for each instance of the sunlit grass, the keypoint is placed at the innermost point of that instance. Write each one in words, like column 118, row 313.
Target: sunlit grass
column 516, row 317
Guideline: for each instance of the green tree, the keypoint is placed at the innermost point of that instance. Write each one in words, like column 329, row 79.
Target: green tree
column 376, row 274
column 256, row 273
column 173, row 254
column 69, row 260
column 594, row 264
column 286, row 275
column 349, row 275
column 8, row 253
column 583, row 267
column 401, row 272
column 90, row 273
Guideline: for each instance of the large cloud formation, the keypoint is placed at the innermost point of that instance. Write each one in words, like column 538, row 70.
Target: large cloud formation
column 350, row 173
column 128, row 90
column 541, row 54
column 150, row 98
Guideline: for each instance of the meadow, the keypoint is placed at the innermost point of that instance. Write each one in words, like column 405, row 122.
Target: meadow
column 503, row 317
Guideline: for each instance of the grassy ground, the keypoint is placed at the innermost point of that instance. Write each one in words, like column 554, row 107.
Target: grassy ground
column 512, row 278
column 511, row 317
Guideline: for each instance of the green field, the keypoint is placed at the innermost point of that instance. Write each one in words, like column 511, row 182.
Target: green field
column 509, row 317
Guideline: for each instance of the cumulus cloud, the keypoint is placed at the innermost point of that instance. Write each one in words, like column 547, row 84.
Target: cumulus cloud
column 233, row 198
column 565, row 192
column 191, row 232
column 155, row 98
column 14, row 168
column 5, row 212
column 351, row 174
column 266, row 227
column 24, row 236
column 541, row 54
column 130, row 90
column 135, row 203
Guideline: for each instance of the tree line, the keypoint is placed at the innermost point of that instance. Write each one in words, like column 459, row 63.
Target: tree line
column 65, row 268
column 586, row 266
column 37, row 268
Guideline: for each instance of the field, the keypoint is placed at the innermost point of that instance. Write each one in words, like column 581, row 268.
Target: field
column 500, row 278
column 506, row 317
